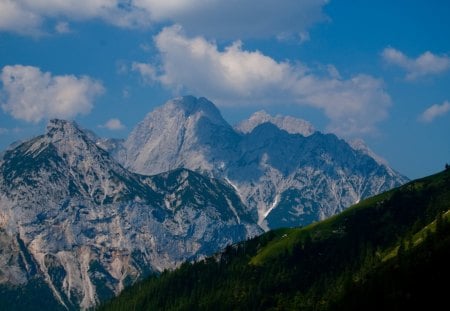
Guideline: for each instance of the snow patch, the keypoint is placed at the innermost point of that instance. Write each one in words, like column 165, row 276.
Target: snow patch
column 235, row 188
column 230, row 205
column 274, row 204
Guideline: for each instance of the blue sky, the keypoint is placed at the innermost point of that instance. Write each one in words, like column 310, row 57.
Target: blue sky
column 379, row 71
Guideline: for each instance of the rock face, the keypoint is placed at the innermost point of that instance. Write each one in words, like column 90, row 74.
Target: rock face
column 81, row 217
column 286, row 173
column 185, row 132
column 75, row 221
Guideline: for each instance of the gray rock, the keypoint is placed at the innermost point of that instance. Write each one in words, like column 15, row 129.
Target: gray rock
column 75, row 218
column 267, row 161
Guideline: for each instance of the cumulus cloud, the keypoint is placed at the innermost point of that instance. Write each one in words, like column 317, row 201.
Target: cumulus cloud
column 32, row 95
column 434, row 112
column 113, row 125
column 235, row 76
column 216, row 18
column 14, row 18
column 242, row 19
column 425, row 64
column 147, row 71
column 29, row 16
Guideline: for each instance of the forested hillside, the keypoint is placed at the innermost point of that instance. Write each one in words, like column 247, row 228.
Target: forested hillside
column 388, row 252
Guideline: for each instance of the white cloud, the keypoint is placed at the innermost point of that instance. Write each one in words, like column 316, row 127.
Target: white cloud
column 14, row 18
column 28, row 16
column 216, row 18
column 234, row 76
column 147, row 71
column 240, row 19
column 425, row 64
column 32, row 95
column 434, row 111
column 62, row 28
column 113, row 125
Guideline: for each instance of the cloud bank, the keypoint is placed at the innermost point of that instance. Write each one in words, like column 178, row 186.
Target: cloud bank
column 32, row 95
column 217, row 18
column 434, row 112
column 424, row 65
column 234, row 76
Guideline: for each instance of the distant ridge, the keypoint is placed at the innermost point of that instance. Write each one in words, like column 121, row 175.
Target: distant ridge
column 286, row 173
column 289, row 124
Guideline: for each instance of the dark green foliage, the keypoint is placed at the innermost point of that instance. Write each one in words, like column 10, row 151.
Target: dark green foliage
column 38, row 297
column 416, row 280
column 343, row 263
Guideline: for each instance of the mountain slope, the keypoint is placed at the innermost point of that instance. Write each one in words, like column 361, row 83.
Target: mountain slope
column 286, row 179
column 76, row 224
column 388, row 252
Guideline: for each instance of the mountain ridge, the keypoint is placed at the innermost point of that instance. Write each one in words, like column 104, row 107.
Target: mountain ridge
column 76, row 221
column 202, row 141
column 289, row 124
column 81, row 219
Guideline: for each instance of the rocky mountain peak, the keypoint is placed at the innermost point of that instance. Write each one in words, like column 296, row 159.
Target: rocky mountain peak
column 275, row 163
column 192, row 106
column 65, row 134
column 59, row 124
column 83, row 227
column 289, row 124
column 178, row 127
column 59, row 129
column 75, row 219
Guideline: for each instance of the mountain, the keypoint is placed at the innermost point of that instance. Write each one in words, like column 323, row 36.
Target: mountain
column 289, row 124
column 82, row 217
column 360, row 145
column 389, row 252
column 76, row 227
column 185, row 132
column 286, row 173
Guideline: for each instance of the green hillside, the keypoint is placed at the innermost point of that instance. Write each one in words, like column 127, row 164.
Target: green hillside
column 389, row 252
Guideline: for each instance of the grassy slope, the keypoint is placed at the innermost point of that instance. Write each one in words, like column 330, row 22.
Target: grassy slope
column 382, row 240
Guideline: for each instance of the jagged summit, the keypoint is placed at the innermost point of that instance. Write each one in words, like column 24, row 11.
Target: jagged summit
column 170, row 136
column 187, row 107
column 70, row 139
column 289, row 124
column 61, row 125
column 285, row 178
column 78, row 224
column 75, row 216
column 191, row 106
column 62, row 133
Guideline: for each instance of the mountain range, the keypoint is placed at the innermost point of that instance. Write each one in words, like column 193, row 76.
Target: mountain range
column 82, row 217
column 284, row 171
column 389, row 252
